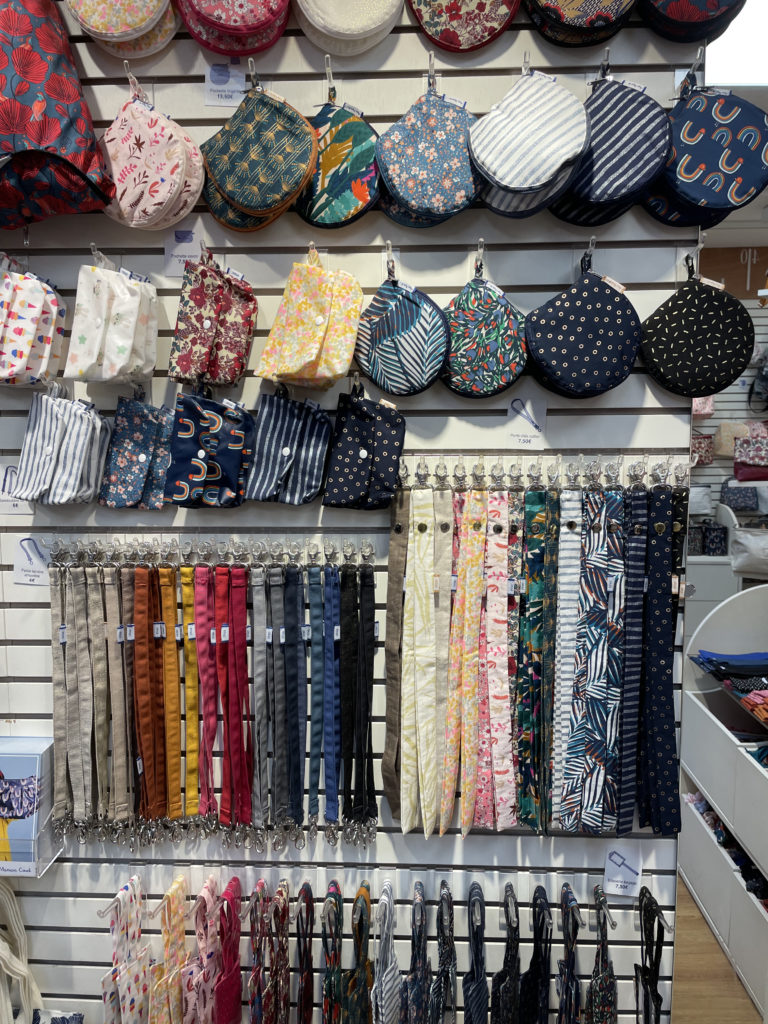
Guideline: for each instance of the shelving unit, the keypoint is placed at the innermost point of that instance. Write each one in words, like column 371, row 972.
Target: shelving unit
column 720, row 766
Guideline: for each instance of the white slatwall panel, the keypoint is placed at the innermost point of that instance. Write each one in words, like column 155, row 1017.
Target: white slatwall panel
column 531, row 259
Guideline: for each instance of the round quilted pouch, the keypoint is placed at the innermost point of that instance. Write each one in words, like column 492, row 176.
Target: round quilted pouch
column 665, row 206
column 347, row 27
column 699, row 341
column 464, row 24
column 194, row 176
column 525, row 204
column 588, row 215
column 227, row 215
column 120, row 19
column 240, row 17
column 145, row 155
column 579, row 22
column 402, row 339
column 424, row 160
column 148, row 43
column 345, row 183
column 400, row 214
column 583, row 342
column 487, row 348
column 263, row 157
column 720, row 149
column 508, row 146
column 231, row 44
column 690, row 22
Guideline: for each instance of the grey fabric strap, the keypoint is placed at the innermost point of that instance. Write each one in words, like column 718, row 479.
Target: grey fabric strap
column 260, row 788
column 126, row 619
column 98, row 647
column 62, row 801
column 118, row 790
column 80, row 710
column 443, row 500
column 398, row 551
column 277, row 697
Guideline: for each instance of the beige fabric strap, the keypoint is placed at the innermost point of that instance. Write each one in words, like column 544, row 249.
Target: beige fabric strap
column 62, row 800
column 97, row 642
column 118, row 790
column 398, row 548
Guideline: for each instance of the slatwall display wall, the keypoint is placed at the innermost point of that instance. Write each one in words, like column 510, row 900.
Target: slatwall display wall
column 531, row 259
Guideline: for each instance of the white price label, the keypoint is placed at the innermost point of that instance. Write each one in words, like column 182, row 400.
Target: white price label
column 527, row 415
column 121, row 634
column 337, row 632
column 225, row 633
column 179, row 631
column 306, row 632
column 225, row 84
column 130, row 631
column 248, row 633
column 181, row 244
column 191, row 631
column 30, row 563
column 213, row 636
column 282, row 635
column 623, row 868
column 268, row 635
column 62, row 634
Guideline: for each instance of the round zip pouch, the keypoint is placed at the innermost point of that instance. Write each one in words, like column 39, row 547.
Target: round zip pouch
column 345, row 183
column 145, row 155
column 240, row 17
column 263, row 157
column 464, row 24
column 424, row 160
column 526, row 204
column 699, row 341
column 576, row 23
column 148, row 43
column 692, row 21
column 191, row 188
column 508, row 145
column 588, row 215
column 230, row 44
column 347, row 27
column 584, row 342
column 719, row 157
column 400, row 214
column 402, row 339
column 665, row 206
column 230, row 217
column 486, row 354
column 120, row 19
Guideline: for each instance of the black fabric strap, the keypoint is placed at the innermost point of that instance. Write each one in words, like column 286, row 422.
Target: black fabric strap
column 364, row 807
column 348, row 678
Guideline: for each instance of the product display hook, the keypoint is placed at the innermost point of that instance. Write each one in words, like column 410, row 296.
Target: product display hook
column 390, row 261
column 431, row 76
column 253, row 74
column 329, row 78
column 586, row 259
column 692, row 258
column 526, row 68
column 480, row 257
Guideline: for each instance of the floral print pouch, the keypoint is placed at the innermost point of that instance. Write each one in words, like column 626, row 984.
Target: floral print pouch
column 130, row 454
column 424, row 157
column 120, row 19
column 464, row 24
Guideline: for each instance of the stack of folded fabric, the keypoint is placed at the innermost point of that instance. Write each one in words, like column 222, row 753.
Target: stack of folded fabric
column 114, row 329
column 125, row 28
column 235, row 29
column 259, row 163
column 32, row 317
column 158, row 168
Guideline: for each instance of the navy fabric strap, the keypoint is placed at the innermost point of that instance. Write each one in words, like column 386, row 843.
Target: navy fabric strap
column 364, row 806
column 315, row 586
column 505, row 987
column 348, row 673
column 443, row 988
column 277, row 698
column 291, row 653
column 331, row 698
column 302, row 672
column 636, row 542
column 474, row 982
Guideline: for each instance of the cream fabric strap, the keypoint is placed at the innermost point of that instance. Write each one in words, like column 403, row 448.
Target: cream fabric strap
column 477, row 513
column 62, row 801
column 418, row 695
column 443, row 500
column 118, row 791
column 97, row 642
column 398, row 549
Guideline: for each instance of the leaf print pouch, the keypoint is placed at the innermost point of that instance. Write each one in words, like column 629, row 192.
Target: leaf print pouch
column 424, row 157
column 145, row 154
column 487, row 349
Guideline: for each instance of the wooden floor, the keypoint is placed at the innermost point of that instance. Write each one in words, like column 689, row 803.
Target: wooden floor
column 706, row 989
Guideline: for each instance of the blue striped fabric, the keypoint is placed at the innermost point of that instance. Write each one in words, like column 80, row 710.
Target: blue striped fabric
column 523, row 142
column 290, row 450
column 305, row 480
column 525, row 204
column 630, row 137
column 80, row 456
column 42, row 437
column 402, row 339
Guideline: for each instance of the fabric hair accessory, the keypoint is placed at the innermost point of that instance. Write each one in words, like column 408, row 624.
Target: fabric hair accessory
column 347, row 27
column 719, row 159
column 402, row 339
column 345, row 182
column 487, row 348
column 464, row 24
column 510, row 150
column 51, row 163
column 226, row 27
column 585, row 341
column 264, row 156
column 157, row 167
column 313, row 336
column 575, row 23
column 424, row 160
column 364, row 459
column 689, row 22
column 121, row 19
column 699, row 341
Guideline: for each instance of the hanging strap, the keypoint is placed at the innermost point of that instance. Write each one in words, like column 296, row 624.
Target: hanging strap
column 474, row 982
column 544, row 734
column 115, row 632
column 409, row 744
column 305, row 923
column 191, row 698
column 81, row 711
column 315, row 587
column 295, row 677
column 365, row 809
column 331, row 698
column 568, row 982
column 258, row 922
column 332, row 930
column 61, row 796
column 277, row 697
column 260, row 789
column 221, row 641
column 241, row 742
column 396, row 564
column 421, row 688
column 453, row 705
column 477, row 511
column 444, row 983
column 280, row 972
column 206, row 667
column 348, row 656
column 99, row 673
column 386, row 982
column 127, row 577
column 171, row 688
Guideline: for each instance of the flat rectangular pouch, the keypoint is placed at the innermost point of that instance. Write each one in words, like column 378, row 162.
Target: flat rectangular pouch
column 279, row 422
column 714, row 540
column 725, row 438
column 154, row 485
column 237, row 312
column 195, row 321
column 229, row 434
column 22, row 297
column 740, row 499
column 702, row 445
column 365, row 454
column 695, row 539
column 129, row 456
column 338, row 346
column 304, row 480
column 188, row 465
column 750, row 459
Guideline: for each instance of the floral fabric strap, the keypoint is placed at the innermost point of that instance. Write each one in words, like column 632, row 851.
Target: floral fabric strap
column 332, row 931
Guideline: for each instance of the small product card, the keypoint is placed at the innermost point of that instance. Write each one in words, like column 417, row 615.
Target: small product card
column 30, row 563
column 225, row 84
column 9, row 505
column 623, row 868
column 527, row 414
column 181, row 244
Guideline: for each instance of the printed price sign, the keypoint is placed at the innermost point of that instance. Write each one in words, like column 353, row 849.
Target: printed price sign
column 181, row 244
column 225, row 84
column 9, row 505
column 623, row 869
column 30, row 563
column 527, row 414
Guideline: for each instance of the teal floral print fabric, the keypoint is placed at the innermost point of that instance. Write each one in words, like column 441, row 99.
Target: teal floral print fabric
column 345, row 183
column 487, row 347
column 424, row 157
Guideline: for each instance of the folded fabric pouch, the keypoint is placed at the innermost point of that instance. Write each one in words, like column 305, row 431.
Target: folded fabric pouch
column 290, row 450
column 211, row 453
column 689, row 22
column 424, row 157
column 364, row 462
column 138, row 456
column 463, row 25
column 750, row 459
column 574, row 23
column 220, row 36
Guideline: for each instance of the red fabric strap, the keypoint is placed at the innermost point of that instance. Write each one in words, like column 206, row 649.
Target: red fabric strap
column 206, row 667
column 222, row 671
column 239, row 701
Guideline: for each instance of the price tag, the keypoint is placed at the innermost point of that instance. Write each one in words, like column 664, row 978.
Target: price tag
column 513, row 586
column 522, row 585
column 121, row 634
column 191, row 631
column 282, row 635
column 181, row 244
column 376, row 630
column 337, row 632
column 306, row 632
column 527, row 415
column 62, row 634
column 225, row 633
column 213, row 636
column 454, row 582
column 623, row 868
column 130, row 632
column 139, row 766
column 9, row 505
column 179, row 633
column 30, row 563
column 675, row 584
column 225, row 84
column 248, row 633
column 268, row 635
column 158, row 630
